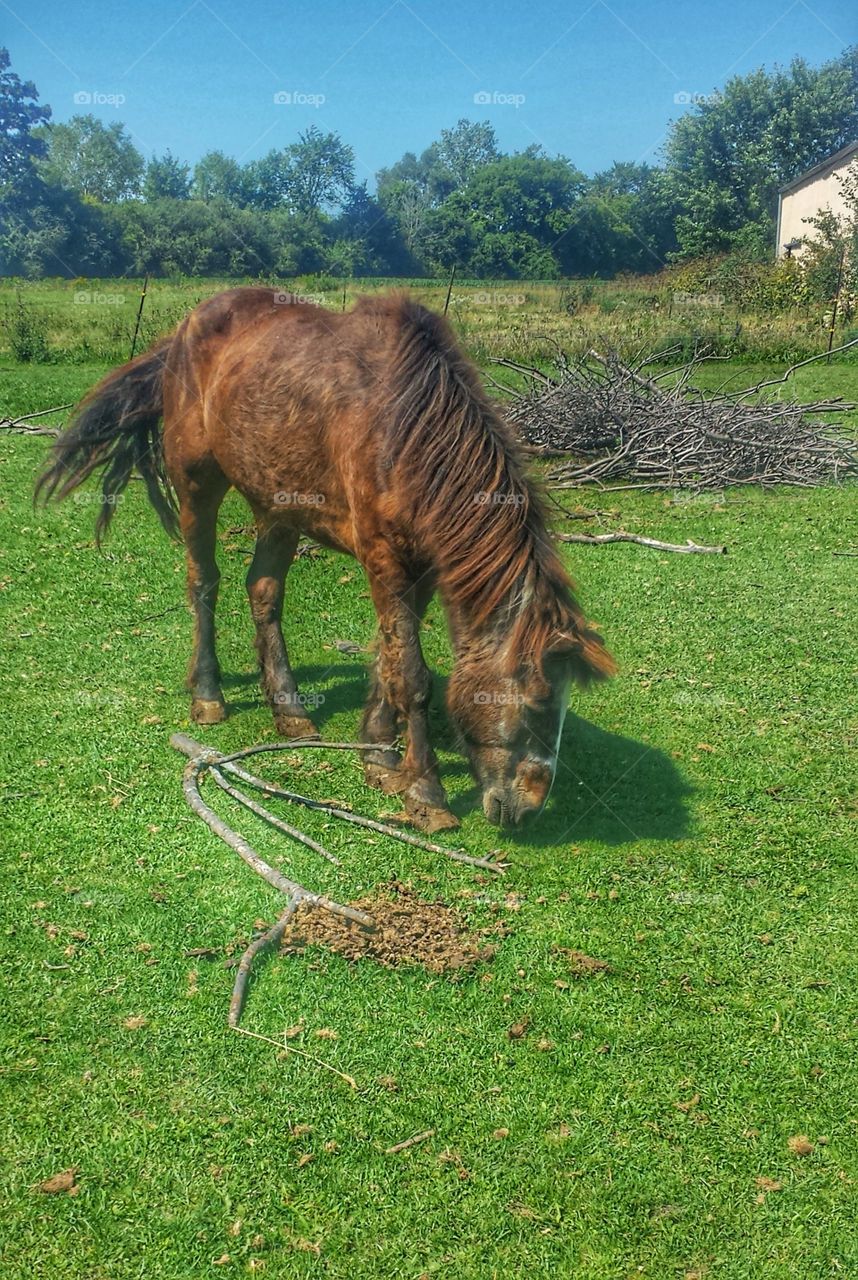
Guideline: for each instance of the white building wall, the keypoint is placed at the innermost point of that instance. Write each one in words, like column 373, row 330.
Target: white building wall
column 822, row 191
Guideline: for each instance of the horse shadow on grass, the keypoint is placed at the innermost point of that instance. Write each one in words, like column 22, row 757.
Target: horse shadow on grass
column 612, row 789
column 608, row 788
column 349, row 691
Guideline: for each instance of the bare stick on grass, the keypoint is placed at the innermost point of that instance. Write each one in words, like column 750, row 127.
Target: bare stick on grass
column 14, row 424
column 204, row 759
column 687, row 548
column 289, row 1048
column 410, row 1142
column 227, row 764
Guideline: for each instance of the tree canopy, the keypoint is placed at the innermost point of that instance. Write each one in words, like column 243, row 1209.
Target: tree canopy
column 78, row 197
column 92, row 159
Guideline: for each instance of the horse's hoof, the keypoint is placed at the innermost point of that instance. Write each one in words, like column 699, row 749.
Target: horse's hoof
column 208, row 710
column 390, row 759
column 296, row 726
column 391, row 781
column 426, row 806
column 431, row 820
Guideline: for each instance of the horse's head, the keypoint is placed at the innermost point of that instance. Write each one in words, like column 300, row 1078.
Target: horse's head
column 510, row 726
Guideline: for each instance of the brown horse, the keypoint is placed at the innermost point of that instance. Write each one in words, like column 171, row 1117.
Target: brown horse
column 370, row 432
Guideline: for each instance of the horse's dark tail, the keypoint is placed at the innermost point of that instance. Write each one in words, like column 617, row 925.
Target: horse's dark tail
column 117, row 428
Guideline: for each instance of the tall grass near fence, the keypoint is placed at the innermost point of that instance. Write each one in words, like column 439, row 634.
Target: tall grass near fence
column 761, row 312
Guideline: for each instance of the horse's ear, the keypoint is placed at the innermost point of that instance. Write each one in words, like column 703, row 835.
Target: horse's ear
column 585, row 651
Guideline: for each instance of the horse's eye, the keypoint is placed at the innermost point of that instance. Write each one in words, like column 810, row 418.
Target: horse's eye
column 538, row 703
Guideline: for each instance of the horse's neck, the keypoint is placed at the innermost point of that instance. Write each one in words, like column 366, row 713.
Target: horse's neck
column 496, row 574
column 486, row 639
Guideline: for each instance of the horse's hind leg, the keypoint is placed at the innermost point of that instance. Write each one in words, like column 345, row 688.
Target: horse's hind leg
column 198, row 507
column 275, row 550
column 382, row 723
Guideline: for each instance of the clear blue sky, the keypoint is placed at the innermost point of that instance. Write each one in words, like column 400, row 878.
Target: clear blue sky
column 593, row 79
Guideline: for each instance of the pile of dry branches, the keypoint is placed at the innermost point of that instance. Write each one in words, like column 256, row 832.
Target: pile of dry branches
column 625, row 426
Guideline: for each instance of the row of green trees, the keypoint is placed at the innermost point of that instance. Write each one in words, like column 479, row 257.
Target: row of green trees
column 79, row 199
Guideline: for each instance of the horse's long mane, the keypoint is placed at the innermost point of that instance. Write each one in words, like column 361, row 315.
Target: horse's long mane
column 474, row 508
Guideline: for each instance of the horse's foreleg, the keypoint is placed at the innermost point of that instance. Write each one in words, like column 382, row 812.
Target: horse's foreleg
column 198, row 519
column 275, row 550
column 401, row 693
column 425, row 798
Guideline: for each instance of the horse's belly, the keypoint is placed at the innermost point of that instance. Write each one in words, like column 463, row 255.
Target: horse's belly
column 326, row 527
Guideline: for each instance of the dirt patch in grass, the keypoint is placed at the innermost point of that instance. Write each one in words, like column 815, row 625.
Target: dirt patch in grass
column 580, row 964
column 409, row 931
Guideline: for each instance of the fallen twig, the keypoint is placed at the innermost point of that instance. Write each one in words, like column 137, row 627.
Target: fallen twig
column 151, row 617
column 410, row 1142
column 272, row 818
column 371, row 824
column 289, row 1048
column 822, row 355
column 687, row 548
column 238, row 843
column 14, row 424
column 203, row 760
column 268, row 939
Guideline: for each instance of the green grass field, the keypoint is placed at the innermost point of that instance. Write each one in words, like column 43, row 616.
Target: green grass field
column 700, row 839
column 86, row 321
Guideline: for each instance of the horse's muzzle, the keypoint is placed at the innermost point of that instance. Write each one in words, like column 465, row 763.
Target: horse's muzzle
column 506, row 808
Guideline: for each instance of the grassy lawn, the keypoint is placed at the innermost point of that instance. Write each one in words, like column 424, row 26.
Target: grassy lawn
column 700, row 839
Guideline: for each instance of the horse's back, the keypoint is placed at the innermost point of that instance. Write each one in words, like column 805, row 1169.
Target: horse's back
column 286, row 400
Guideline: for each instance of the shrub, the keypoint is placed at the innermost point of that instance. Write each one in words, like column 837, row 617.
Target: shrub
column 772, row 287
column 28, row 334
